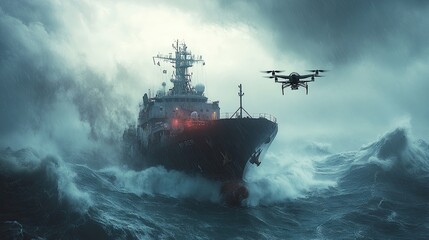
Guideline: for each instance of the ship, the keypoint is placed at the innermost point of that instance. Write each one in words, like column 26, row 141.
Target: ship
column 180, row 129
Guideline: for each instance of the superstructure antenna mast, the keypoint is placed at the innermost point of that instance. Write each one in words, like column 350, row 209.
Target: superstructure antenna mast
column 182, row 60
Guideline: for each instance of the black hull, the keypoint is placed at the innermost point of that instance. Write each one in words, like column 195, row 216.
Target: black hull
column 218, row 149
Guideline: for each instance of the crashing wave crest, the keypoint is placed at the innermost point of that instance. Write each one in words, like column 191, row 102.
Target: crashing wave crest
column 43, row 177
column 394, row 157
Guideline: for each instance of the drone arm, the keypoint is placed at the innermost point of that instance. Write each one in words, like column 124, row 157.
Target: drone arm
column 277, row 81
column 282, row 76
column 307, row 76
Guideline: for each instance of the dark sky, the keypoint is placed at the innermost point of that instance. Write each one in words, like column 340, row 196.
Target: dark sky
column 341, row 32
column 73, row 72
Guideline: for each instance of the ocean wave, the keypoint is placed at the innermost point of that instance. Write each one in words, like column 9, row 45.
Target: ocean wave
column 159, row 181
column 32, row 180
column 284, row 178
column 46, row 198
column 395, row 158
column 397, row 153
column 378, row 188
column 384, row 184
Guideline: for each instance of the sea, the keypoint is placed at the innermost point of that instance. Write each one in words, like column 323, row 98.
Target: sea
column 379, row 191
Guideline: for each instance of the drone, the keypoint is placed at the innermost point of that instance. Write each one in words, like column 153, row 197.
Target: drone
column 294, row 79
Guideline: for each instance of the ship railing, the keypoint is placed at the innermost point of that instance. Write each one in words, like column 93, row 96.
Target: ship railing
column 253, row 115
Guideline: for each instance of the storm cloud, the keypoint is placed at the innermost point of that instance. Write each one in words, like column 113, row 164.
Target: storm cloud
column 339, row 32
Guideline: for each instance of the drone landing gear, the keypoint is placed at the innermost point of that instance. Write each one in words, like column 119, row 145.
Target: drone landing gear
column 284, row 85
column 294, row 87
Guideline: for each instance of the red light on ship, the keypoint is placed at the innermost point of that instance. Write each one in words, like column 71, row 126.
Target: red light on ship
column 189, row 123
column 175, row 123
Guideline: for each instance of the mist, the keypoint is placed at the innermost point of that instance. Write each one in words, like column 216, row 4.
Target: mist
column 55, row 93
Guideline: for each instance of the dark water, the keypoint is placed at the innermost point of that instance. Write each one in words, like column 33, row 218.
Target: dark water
column 380, row 191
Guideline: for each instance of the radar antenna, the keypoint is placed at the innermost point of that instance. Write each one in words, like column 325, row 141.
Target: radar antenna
column 182, row 60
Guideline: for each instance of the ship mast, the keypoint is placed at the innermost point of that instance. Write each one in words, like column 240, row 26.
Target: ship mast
column 182, row 60
column 241, row 109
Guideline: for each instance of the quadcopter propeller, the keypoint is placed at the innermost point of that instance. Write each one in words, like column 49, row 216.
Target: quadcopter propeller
column 273, row 72
column 317, row 71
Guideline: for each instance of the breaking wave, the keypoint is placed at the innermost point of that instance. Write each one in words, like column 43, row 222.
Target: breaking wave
column 283, row 178
column 37, row 189
column 26, row 169
column 394, row 160
column 381, row 189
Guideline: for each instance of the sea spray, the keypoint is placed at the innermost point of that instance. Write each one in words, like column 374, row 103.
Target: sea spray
column 282, row 178
column 158, row 180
